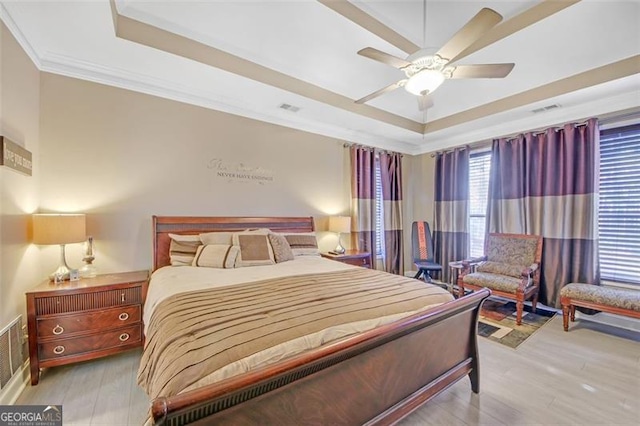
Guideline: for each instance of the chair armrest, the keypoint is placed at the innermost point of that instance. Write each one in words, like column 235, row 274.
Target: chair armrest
column 473, row 261
column 528, row 271
column 467, row 264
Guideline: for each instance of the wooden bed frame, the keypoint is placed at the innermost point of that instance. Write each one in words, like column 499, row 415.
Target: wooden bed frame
column 376, row 377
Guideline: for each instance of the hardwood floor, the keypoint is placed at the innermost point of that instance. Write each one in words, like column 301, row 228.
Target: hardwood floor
column 588, row 376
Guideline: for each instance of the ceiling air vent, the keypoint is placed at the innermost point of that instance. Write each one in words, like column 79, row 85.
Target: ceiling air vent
column 545, row 108
column 289, row 107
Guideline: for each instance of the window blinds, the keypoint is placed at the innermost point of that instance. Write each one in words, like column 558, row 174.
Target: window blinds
column 619, row 215
column 479, row 169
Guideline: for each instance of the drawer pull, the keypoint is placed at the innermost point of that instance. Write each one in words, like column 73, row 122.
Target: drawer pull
column 57, row 329
column 124, row 337
column 123, row 316
column 122, row 297
column 58, row 350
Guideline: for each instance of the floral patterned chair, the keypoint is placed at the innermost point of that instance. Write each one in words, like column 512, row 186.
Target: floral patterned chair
column 510, row 268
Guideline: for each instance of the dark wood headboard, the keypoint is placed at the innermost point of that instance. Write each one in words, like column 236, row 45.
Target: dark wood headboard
column 190, row 225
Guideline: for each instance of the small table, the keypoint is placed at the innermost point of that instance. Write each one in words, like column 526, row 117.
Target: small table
column 352, row 257
column 454, row 272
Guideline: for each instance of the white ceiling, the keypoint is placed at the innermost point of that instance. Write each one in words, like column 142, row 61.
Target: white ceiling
column 308, row 41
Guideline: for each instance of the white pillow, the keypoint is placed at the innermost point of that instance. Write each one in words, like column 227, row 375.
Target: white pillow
column 216, row 256
column 183, row 249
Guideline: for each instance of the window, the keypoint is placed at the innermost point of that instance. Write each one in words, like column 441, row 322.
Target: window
column 379, row 212
column 619, row 216
column 479, row 168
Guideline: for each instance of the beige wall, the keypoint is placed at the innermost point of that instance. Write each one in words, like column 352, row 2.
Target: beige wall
column 19, row 121
column 122, row 157
column 419, row 175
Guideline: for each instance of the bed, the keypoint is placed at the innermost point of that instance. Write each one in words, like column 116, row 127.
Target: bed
column 377, row 375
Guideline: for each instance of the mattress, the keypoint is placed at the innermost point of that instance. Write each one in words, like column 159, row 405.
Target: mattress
column 204, row 325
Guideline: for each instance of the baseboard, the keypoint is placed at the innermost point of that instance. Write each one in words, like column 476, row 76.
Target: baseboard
column 10, row 393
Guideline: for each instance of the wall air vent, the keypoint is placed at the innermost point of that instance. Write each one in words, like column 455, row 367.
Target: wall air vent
column 545, row 108
column 12, row 351
column 289, row 107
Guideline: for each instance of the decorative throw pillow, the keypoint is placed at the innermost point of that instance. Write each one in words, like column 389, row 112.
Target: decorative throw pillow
column 183, row 249
column 303, row 244
column 281, row 248
column 255, row 248
column 216, row 256
column 217, row 238
column 501, row 269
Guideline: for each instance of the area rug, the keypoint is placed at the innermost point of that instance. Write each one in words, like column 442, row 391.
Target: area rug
column 498, row 322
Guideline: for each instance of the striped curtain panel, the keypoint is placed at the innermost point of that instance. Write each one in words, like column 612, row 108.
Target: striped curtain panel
column 451, row 216
column 363, row 199
column 391, row 179
column 547, row 184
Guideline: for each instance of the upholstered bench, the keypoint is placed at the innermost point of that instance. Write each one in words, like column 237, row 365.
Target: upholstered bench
column 618, row 301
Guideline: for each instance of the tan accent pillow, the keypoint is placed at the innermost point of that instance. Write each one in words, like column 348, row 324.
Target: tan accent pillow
column 501, row 269
column 255, row 249
column 281, row 248
column 303, row 244
column 217, row 238
column 216, row 256
column 183, row 249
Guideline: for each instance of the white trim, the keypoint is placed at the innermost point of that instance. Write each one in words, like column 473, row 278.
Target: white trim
column 71, row 67
column 18, row 383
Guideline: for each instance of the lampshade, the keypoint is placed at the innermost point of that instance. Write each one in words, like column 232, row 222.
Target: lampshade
column 341, row 224
column 424, row 82
column 59, row 228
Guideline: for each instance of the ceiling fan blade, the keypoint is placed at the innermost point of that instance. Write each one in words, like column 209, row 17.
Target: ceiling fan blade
column 382, row 91
column 467, row 35
column 385, row 58
column 424, row 102
column 482, row 71
column 369, row 23
column 534, row 14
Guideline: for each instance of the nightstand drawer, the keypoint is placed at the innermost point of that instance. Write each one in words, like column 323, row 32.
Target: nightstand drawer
column 88, row 301
column 80, row 345
column 70, row 324
column 364, row 261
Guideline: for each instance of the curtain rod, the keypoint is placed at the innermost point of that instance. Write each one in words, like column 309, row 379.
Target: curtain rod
column 370, row 148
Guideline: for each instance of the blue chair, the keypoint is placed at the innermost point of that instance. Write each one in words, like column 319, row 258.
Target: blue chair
column 422, row 250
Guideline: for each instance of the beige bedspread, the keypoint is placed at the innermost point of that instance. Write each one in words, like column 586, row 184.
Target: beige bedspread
column 191, row 335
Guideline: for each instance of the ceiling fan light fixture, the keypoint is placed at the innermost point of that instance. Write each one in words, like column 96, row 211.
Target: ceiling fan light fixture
column 424, row 82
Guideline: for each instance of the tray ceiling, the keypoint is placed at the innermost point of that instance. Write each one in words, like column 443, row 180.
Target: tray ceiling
column 250, row 57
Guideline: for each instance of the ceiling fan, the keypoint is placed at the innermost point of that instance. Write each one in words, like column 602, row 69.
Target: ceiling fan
column 425, row 72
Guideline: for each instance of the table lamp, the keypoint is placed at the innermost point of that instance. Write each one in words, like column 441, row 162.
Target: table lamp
column 339, row 225
column 49, row 229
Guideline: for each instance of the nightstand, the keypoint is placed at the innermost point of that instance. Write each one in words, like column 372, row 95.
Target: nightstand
column 352, row 257
column 86, row 319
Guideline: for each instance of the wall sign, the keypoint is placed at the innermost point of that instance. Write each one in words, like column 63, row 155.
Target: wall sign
column 240, row 172
column 15, row 157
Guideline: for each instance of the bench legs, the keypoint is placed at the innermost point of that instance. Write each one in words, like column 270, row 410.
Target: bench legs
column 566, row 310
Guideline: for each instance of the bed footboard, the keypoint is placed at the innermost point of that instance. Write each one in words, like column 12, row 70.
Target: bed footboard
column 377, row 377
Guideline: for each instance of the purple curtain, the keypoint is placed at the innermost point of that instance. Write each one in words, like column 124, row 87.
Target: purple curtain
column 363, row 194
column 547, row 184
column 451, row 216
column 391, row 179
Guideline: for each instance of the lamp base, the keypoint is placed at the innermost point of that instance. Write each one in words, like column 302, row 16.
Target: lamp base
column 63, row 273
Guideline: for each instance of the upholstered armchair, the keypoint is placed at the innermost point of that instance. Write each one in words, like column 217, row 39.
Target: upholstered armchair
column 510, row 268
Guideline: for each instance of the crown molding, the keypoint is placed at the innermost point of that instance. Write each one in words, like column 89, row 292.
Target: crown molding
column 83, row 70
